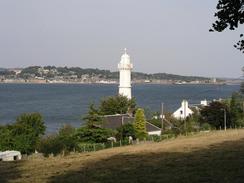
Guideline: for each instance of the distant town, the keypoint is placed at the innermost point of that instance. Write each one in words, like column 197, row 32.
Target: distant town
column 52, row 74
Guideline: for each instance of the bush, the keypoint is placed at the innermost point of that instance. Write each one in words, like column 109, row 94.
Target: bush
column 51, row 144
column 168, row 136
column 140, row 124
column 93, row 135
column 154, row 138
column 67, row 136
column 88, row 147
column 125, row 131
column 205, row 126
column 117, row 105
column 63, row 141
column 24, row 134
column 214, row 115
column 6, row 138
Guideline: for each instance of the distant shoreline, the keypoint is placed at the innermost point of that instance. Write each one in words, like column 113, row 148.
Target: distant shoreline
column 97, row 83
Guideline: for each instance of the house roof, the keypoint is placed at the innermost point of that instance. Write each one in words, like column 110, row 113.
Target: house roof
column 116, row 121
column 151, row 128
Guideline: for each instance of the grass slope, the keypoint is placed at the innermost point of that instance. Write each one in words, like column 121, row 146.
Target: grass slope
column 211, row 157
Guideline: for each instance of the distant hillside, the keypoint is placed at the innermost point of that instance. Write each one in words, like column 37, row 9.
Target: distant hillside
column 52, row 71
column 165, row 76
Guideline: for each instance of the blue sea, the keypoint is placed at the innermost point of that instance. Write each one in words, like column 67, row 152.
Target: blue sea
column 67, row 103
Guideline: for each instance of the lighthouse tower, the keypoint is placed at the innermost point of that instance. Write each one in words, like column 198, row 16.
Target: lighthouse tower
column 125, row 68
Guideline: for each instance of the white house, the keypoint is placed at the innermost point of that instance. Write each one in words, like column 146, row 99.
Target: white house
column 184, row 111
column 204, row 103
column 10, row 156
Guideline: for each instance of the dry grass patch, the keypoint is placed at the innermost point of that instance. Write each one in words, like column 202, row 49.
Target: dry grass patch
column 211, row 157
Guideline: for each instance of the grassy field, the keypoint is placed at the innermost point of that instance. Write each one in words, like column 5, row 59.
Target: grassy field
column 208, row 157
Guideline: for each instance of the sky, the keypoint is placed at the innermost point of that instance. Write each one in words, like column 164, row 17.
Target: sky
column 161, row 36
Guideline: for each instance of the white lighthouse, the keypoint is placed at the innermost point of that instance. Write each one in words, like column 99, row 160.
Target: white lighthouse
column 125, row 68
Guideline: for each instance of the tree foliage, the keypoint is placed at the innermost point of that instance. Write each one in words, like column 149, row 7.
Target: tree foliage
column 64, row 141
column 23, row 135
column 230, row 14
column 242, row 88
column 117, row 105
column 125, row 131
column 6, row 138
column 93, row 135
column 236, row 110
column 214, row 114
column 242, row 84
column 50, row 144
column 93, row 117
column 32, row 121
column 109, row 106
column 140, row 124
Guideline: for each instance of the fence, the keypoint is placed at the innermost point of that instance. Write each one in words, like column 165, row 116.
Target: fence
column 90, row 147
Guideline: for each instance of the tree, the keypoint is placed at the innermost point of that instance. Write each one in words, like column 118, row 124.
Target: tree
column 50, row 144
column 63, row 141
column 236, row 110
column 6, row 139
column 242, row 88
column 93, row 135
column 214, row 114
column 242, row 83
column 27, row 132
column 140, row 124
column 230, row 14
column 126, row 130
column 24, row 134
column 33, row 121
column 109, row 106
column 66, row 135
column 117, row 105
column 93, row 117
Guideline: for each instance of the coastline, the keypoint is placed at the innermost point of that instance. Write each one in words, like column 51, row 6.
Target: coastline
column 116, row 83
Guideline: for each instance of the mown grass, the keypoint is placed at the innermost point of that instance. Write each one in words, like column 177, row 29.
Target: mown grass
column 212, row 157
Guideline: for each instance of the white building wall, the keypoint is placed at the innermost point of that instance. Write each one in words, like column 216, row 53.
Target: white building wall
column 155, row 133
column 125, row 78
column 204, row 102
column 125, row 68
column 10, row 155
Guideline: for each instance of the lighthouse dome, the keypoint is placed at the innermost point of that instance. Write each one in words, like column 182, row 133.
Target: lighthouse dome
column 125, row 58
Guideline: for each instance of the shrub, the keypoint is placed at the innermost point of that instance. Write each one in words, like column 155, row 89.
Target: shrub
column 24, row 134
column 140, row 124
column 88, row 147
column 51, row 144
column 117, row 105
column 154, row 138
column 93, row 135
column 214, row 114
column 6, row 138
column 205, row 126
column 63, row 141
column 125, row 131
